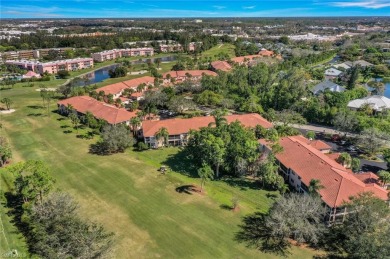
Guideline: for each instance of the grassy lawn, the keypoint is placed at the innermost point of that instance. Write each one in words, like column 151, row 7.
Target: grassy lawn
column 127, row 194
column 220, row 48
column 10, row 238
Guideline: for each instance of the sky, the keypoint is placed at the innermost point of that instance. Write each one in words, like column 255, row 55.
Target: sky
column 190, row 8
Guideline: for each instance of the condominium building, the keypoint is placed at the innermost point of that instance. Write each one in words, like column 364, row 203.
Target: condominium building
column 179, row 129
column 118, row 53
column 31, row 54
column 302, row 160
column 171, row 47
column 54, row 66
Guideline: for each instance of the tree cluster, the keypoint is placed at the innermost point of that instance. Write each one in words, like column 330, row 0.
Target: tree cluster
column 50, row 221
column 230, row 148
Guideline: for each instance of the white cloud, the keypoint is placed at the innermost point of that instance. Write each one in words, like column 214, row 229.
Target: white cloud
column 249, row 7
column 373, row 4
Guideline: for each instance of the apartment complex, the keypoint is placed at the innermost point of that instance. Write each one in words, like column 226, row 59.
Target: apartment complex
column 83, row 104
column 178, row 129
column 302, row 161
column 117, row 89
column 118, row 53
column 31, row 54
column 171, row 47
column 54, row 66
column 183, row 75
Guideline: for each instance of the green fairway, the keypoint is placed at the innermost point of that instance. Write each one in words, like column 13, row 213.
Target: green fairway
column 220, row 48
column 127, row 194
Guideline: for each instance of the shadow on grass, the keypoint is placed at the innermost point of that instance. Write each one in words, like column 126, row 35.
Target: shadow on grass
column 67, row 131
column 226, row 207
column 99, row 148
column 242, row 183
column 187, row 189
column 182, row 163
column 35, row 107
column 35, row 114
column 61, row 119
column 88, row 135
column 15, row 203
column 64, row 126
column 5, row 88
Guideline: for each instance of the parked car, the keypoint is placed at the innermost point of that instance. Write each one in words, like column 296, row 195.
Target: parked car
column 352, row 149
column 336, row 137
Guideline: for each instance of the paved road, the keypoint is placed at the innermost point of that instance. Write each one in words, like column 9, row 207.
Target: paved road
column 317, row 128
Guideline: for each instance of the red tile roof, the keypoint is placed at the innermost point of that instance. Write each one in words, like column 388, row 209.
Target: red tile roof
column 241, row 59
column 309, row 163
column 132, row 83
column 181, row 126
column 194, row 73
column 112, row 89
column 266, row 53
column 100, row 110
column 317, row 144
column 221, row 65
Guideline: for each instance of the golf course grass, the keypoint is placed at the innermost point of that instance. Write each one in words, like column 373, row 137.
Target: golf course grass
column 126, row 193
column 220, row 48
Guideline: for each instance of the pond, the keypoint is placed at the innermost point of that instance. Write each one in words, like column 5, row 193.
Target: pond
column 387, row 87
column 97, row 76
column 387, row 90
column 101, row 74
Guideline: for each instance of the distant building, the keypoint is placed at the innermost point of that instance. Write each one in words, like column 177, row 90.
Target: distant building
column 117, row 89
column 183, row 75
column 171, row 47
column 118, row 53
column 221, row 66
column 31, row 74
column 376, row 102
column 54, row 66
column 332, row 73
column 244, row 60
column 327, row 85
column 197, row 21
column 178, row 129
column 361, row 63
column 83, row 104
column 32, row 54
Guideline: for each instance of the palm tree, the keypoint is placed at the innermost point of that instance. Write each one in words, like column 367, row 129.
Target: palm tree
column 7, row 101
column 205, row 173
column 89, row 117
column 162, row 134
column 135, row 123
column 75, row 121
column 69, row 108
column 141, row 87
column 314, row 186
column 219, row 117
column 384, row 177
column 284, row 188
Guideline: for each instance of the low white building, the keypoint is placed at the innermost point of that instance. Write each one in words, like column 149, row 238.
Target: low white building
column 376, row 102
column 332, row 73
